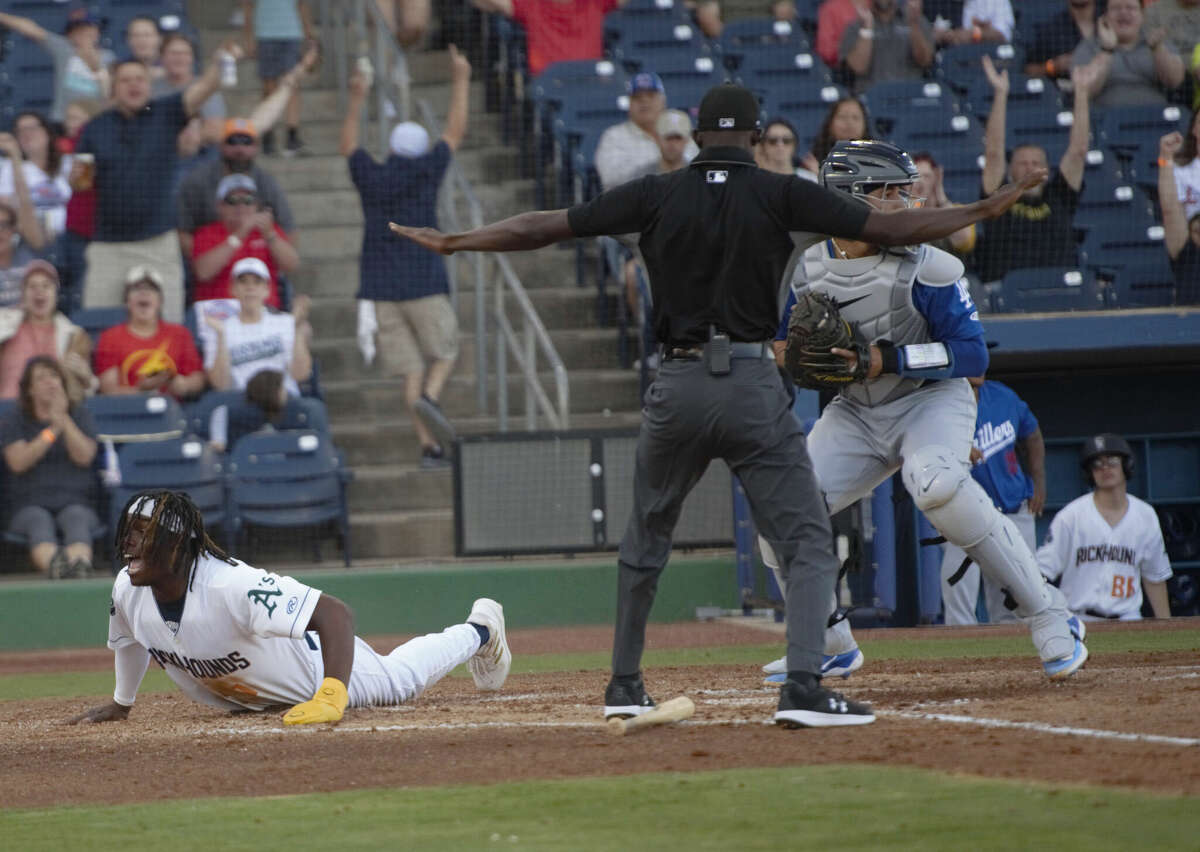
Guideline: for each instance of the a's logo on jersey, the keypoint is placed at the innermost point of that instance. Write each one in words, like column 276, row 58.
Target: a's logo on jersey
column 263, row 596
column 112, row 607
column 292, row 604
column 716, row 176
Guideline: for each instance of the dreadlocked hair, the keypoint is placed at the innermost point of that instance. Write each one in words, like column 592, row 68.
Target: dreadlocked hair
column 174, row 533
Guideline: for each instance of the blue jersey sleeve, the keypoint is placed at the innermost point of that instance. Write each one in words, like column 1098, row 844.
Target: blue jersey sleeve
column 781, row 333
column 954, row 322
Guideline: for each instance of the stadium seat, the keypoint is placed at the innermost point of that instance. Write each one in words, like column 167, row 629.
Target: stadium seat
column 776, row 68
column 1142, row 285
column 95, row 321
column 1024, row 93
column 960, row 66
column 180, row 464
column 894, row 99
column 1128, row 128
column 687, row 76
column 962, row 171
column 804, row 104
column 136, row 417
column 745, row 35
column 638, row 36
column 1047, row 289
column 288, row 480
column 945, row 131
column 1119, row 202
column 1117, row 243
column 1045, row 126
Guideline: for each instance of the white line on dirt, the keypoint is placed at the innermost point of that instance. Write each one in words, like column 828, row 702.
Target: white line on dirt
column 1041, row 727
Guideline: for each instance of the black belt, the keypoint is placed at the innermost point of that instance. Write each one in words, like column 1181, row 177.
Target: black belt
column 695, row 351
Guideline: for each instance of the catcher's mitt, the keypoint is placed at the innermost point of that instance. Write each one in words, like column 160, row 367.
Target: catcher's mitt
column 814, row 328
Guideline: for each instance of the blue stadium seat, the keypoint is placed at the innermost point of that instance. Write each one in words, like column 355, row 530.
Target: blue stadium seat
column 136, row 417
column 898, row 100
column 588, row 110
column 962, row 172
column 960, row 66
column 1117, row 243
column 1024, row 93
column 288, row 480
column 184, row 464
column 1143, row 285
column 639, row 36
column 803, row 104
column 1048, row 289
column 1118, row 202
column 97, row 320
column 945, row 131
column 1128, row 128
column 1045, row 126
column 745, row 35
column 774, row 68
column 687, row 76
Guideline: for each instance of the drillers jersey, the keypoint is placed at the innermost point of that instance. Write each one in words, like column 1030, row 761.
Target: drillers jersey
column 1102, row 567
column 241, row 639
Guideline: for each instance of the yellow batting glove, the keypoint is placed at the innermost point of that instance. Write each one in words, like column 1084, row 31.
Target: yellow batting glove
column 327, row 705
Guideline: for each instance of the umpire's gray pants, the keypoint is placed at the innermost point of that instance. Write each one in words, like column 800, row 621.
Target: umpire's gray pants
column 690, row 417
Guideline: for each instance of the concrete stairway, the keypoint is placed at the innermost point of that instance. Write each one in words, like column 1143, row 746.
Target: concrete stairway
column 399, row 511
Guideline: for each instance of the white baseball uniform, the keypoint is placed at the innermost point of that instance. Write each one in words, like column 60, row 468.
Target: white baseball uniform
column 241, row 642
column 1102, row 566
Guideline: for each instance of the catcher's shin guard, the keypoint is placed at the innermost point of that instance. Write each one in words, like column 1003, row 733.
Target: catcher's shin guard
column 962, row 511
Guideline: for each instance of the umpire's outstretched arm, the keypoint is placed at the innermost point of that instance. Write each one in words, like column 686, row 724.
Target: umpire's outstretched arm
column 522, row 232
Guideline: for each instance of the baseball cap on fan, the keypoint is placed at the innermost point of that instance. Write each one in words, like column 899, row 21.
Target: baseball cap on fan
column 728, row 107
column 250, row 266
column 646, row 81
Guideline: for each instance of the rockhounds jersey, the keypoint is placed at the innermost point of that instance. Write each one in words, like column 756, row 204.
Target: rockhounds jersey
column 1102, row 567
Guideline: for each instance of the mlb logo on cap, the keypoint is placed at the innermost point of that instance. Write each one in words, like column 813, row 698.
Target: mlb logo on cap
column 727, row 123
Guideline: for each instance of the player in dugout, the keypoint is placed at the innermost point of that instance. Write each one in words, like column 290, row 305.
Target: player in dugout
column 240, row 638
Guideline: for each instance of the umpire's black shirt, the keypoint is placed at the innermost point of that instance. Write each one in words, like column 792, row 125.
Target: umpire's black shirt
column 716, row 239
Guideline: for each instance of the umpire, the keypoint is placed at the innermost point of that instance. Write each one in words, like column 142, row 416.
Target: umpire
column 717, row 238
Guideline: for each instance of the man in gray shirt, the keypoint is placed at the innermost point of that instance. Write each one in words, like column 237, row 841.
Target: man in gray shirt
column 1132, row 66
column 882, row 48
column 80, row 65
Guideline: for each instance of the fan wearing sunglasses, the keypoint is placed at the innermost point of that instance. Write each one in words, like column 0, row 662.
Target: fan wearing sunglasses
column 244, row 228
column 776, row 151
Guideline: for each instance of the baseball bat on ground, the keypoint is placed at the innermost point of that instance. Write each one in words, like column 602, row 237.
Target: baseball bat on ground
column 674, row 710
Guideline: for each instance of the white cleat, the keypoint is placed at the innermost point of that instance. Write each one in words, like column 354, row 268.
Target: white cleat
column 776, row 666
column 489, row 667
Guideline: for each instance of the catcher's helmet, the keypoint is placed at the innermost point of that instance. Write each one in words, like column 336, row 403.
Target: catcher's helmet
column 1106, row 444
column 859, row 166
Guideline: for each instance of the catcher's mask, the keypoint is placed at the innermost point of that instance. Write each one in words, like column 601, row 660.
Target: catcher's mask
column 861, row 166
column 1106, row 444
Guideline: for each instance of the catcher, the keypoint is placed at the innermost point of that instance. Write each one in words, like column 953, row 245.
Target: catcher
column 894, row 332
column 240, row 638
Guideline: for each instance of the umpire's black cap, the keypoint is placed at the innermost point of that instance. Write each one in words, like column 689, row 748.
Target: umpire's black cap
column 728, row 107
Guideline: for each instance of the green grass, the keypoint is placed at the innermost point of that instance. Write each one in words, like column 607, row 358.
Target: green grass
column 77, row 684
column 844, row 808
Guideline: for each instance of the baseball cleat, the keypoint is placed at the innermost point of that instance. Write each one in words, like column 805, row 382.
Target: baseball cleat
column 1077, row 627
column 814, row 707
column 832, row 665
column 489, row 667
column 626, row 697
column 1064, row 667
column 776, row 667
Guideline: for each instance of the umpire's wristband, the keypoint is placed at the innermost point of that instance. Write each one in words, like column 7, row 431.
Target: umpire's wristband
column 890, row 356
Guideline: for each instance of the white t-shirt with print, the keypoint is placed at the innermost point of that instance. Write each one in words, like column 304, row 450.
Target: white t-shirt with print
column 49, row 194
column 264, row 345
column 1102, row 566
column 1187, row 187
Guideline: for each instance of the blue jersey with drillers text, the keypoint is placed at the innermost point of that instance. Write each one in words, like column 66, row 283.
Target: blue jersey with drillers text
column 1003, row 419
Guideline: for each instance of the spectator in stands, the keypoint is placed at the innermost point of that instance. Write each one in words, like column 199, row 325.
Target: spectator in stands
column 198, row 192
column 1106, row 548
column 556, row 30
column 882, row 48
column 44, row 170
column 37, row 328
column 80, row 218
column 1054, row 40
column 982, row 20
column 1180, row 20
column 144, row 41
column 632, row 148
column 146, row 354
column 276, row 32
column 1036, row 231
column 245, row 227
column 931, row 188
column 80, row 64
column 1185, row 165
column 408, row 20
column 49, row 445
column 267, row 407
column 178, row 72
column 674, row 131
column 776, row 150
column 1008, row 459
column 418, row 330
column 706, row 15
column 1130, row 66
column 833, row 17
column 1181, row 234
column 75, row 116
column 847, row 119
column 135, row 154
column 15, row 255
column 256, row 338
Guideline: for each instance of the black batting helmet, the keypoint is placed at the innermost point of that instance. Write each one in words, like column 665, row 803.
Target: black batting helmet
column 1106, row 444
column 860, row 166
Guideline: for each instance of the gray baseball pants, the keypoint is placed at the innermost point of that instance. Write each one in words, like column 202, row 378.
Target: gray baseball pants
column 689, row 418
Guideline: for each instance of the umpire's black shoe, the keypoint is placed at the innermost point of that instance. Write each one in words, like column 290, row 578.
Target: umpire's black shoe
column 816, row 707
column 625, row 697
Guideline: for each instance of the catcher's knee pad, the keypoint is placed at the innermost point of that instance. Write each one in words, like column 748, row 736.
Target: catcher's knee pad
column 954, row 502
